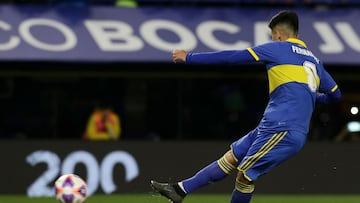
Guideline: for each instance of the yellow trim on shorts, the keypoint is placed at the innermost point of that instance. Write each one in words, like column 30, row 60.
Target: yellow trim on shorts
column 271, row 143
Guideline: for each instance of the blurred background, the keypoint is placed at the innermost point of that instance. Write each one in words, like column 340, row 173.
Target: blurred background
column 65, row 62
column 51, row 97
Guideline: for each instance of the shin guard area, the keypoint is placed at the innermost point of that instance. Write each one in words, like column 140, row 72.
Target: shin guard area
column 225, row 165
column 244, row 188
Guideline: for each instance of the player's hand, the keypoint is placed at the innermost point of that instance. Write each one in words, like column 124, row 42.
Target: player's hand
column 179, row 55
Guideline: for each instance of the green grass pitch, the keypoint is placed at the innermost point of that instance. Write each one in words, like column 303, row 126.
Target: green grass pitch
column 195, row 198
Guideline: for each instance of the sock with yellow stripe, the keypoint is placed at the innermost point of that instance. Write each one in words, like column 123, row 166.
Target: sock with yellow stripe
column 242, row 193
column 215, row 171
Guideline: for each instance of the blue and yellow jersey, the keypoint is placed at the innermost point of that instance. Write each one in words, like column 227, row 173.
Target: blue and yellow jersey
column 295, row 76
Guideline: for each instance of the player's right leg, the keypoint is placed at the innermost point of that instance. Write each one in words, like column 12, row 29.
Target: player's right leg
column 243, row 190
column 267, row 152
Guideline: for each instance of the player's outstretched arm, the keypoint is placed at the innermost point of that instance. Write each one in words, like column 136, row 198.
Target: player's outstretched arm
column 215, row 57
column 179, row 55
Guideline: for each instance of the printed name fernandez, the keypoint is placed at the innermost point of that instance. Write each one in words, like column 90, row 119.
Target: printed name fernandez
column 305, row 52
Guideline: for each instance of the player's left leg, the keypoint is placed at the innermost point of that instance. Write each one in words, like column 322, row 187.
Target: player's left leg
column 213, row 172
column 172, row 191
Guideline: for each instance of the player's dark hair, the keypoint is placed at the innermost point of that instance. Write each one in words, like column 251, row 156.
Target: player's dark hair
column 287, row 17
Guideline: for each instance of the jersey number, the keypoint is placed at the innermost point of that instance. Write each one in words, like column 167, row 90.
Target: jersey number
column 311, row 72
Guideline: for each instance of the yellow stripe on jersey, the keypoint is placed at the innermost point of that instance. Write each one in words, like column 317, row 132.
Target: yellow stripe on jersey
column 286, row 73
column 256, row 57
column 334, row 88
column 271, row 143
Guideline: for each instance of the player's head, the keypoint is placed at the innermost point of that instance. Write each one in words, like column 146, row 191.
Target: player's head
column 284, row 25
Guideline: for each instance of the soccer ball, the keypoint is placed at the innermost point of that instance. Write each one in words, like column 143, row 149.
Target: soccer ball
column 70, row 188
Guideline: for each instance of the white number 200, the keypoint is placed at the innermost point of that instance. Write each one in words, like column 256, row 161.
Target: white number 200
column 96, row 174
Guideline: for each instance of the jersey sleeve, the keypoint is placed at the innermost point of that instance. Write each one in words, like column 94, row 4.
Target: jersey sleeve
column 328, row 89
column 220, row 57
column 265, row 52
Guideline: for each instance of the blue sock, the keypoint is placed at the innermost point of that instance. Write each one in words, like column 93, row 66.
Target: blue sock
column 209, row 174
column 242, row 193
column 239, row 197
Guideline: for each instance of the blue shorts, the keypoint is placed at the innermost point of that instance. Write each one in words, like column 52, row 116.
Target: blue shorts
column 258, row 152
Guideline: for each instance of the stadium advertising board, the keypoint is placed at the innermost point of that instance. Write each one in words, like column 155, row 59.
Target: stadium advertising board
column 149, row 34
column 107, row 167
column 30, row 167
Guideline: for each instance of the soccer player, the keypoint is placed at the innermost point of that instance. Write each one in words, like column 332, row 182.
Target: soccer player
column 297, row 80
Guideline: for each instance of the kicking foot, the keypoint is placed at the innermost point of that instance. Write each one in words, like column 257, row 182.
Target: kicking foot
column 171, row 191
